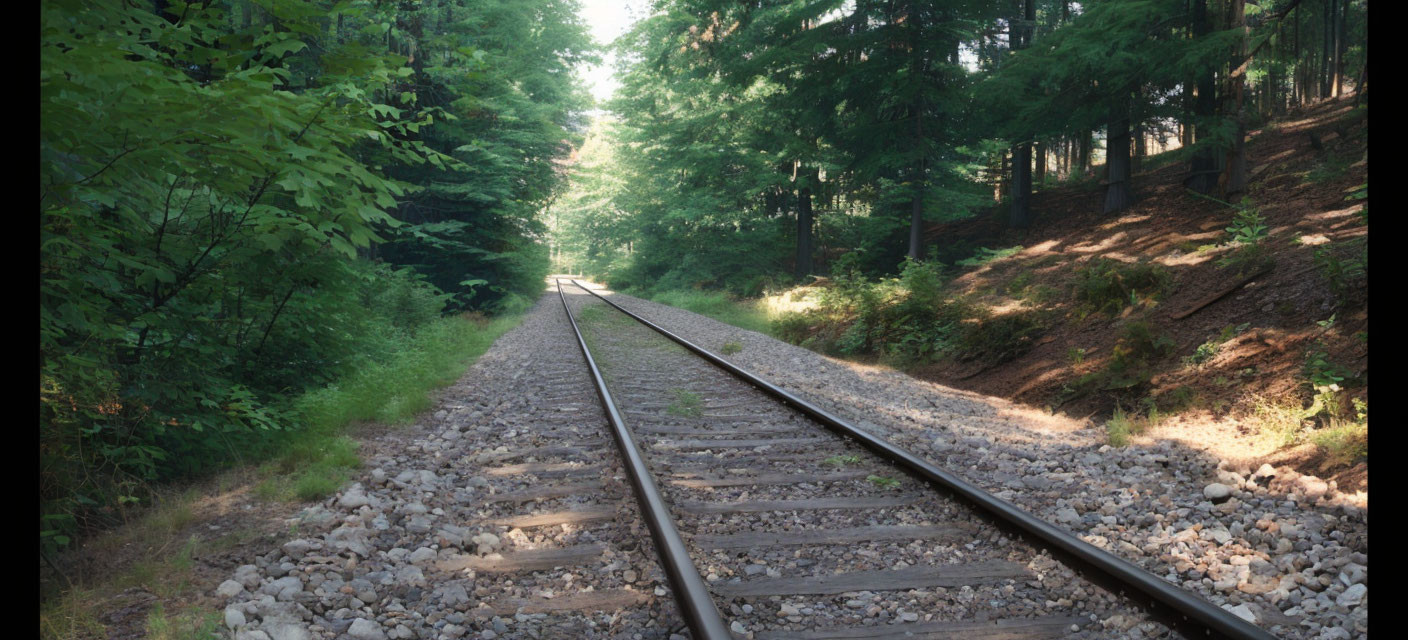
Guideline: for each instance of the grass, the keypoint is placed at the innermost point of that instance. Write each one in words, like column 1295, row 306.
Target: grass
column 883, row 482
column 319, row 458
column 731, row 347
column 841, row 461
column 687, row 404
column 1278, row 419
column 1344, row 442
column 1120, row 427
column 156, row 551
column 743, row 314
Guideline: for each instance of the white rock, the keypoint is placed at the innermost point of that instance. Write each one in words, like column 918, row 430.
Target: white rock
column 1217, row 492
column 1244, row 612
column 485, row 543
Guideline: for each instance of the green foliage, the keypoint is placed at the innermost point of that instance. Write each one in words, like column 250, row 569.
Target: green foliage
column 1345, row 441
column 719, row 306
column 213, row 181
column 1245, row 236
column 1119, row 428
column 841, row 461
column 1248, row 226
column 1130, row 366
column 686, row 403
column 1345, row 267
column 731, row 347
column 1207, row 350
column 883, row 482
column 1108, row 286
column 985, row 255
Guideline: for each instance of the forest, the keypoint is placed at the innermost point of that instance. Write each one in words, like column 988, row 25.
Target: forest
column 262, row 221
column 1031, row 199
column 930, row 112
column 261, row 218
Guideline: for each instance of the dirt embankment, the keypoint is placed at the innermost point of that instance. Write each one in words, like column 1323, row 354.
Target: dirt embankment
column 1240, row 344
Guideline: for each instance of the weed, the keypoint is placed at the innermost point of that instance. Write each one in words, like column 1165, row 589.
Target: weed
column 687, row 404
column 1177, row 400
column 1139, row 344
column 731, row 347
column 1075, row 355
column 1119, row 428
column 1245, row 235
column 1207, row 350
column 841, row 461
column 1346, row 270
column 1248, row 225
column 1281, row 420
column 1345, row 441
column 1330, row 169
column 999, row 339
column 883, row 482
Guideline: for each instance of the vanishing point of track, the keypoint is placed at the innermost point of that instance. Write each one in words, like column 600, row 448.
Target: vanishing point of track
column 868, row 504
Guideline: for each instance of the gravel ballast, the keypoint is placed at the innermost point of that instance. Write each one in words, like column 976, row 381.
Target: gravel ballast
column 416, row 547
column 409, row 549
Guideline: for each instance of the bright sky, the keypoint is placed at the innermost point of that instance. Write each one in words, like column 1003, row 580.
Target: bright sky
column 607, row 20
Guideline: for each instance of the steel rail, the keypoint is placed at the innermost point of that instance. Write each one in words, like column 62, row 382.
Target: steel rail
column 1185, row 609
column 697, row 605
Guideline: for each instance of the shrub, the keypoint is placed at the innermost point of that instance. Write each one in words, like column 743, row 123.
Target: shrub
column 999, row 339
column 793, row 327
column 1140, row 343
column 1345, row 267
column 1110, row 285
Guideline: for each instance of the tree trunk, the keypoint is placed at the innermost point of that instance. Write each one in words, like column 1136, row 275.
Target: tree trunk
column 1117, row 194
column 804, row 233
column 1021, row 185
column 1234, row 179
column 1022, row 153
column 1040, row 172
column 1137, row 164
column 1204, row 169
column 916, row 212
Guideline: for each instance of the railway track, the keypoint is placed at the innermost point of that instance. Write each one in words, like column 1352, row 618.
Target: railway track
column 775, row 519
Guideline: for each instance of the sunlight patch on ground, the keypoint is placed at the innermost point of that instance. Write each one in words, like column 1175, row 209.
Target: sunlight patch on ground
column 1102, row 246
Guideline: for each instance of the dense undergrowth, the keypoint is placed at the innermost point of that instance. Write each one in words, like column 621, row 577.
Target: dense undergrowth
column 254, row 217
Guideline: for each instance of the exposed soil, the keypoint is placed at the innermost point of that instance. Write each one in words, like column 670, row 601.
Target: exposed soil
column 1301, row 191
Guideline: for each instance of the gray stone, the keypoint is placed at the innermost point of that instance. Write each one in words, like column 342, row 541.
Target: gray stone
column 234, row 618
column 354, row 498
column 1217, row 492
column 281, row 630
column 364, row 629
column 422, row 555
column 1352, row 596
column 230, row 588
column 296, row 549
